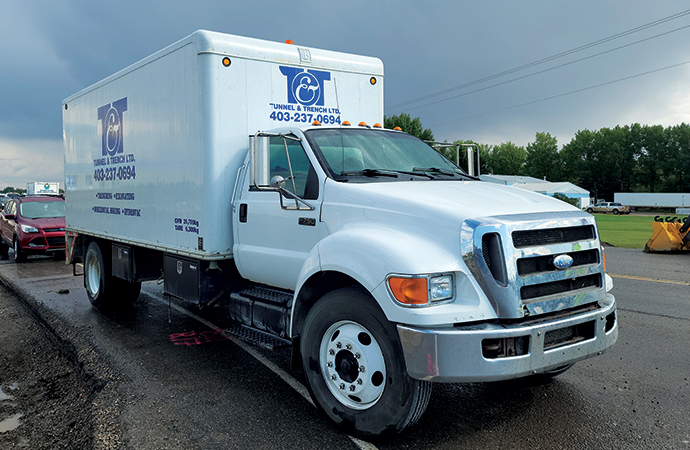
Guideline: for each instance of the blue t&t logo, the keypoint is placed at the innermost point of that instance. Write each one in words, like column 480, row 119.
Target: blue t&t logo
column 305, row 86
column 112, row 123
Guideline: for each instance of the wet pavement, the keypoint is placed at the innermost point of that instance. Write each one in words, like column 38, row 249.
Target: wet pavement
column 166, row 382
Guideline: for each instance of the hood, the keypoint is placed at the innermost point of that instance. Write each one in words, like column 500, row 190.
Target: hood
column 51, row 222
column 433, row 199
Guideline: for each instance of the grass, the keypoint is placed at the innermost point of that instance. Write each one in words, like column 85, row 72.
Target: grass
column 629, row 231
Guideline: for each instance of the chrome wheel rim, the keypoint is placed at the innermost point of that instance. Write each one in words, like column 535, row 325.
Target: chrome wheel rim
column 352, row 365
column 93, row 274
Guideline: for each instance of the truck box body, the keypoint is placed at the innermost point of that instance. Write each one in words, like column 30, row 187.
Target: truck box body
column 42, row 188
column 152, row 152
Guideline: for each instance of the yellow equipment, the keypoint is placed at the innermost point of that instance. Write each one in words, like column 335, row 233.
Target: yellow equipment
column 669, row 236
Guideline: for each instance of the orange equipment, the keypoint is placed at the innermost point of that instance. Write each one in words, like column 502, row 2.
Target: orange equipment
column 669, row 235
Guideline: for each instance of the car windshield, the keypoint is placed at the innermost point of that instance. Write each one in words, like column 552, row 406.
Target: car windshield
column 42, row 210
column 380, row 153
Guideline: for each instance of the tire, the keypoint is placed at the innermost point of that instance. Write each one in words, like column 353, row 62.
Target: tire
column 4, row 248
column 105, row 291
column 615, row 212
column 19, row 254
column 355, row 368
column 590, row 210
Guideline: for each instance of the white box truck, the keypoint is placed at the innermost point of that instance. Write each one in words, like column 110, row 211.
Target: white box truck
column 257, row 174
column 42, row 188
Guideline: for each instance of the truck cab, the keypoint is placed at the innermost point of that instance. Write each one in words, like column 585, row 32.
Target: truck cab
column 476, row 281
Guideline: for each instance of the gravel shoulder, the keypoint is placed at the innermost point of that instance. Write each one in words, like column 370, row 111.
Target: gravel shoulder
column 43, row 403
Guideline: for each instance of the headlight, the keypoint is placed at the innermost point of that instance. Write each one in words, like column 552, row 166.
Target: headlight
column 28, row 229
column 441, row 288
column 421, row 290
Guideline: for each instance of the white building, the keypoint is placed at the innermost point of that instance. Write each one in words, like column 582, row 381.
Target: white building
column 542, row 186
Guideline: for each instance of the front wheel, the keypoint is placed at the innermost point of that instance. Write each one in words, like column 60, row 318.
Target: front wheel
column 355, row 368
column 19, row 254
column 104, row 290
column 615, row 212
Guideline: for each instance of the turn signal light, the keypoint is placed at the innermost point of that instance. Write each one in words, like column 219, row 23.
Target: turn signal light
column 410, row 291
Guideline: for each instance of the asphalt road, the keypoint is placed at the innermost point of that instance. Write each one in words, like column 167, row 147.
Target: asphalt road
column 167, row 380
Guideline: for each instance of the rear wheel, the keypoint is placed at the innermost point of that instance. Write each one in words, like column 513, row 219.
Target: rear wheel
column 19, row 254
column 4, row 248
column 104, row 290
column 590, row 210
column 355, row 368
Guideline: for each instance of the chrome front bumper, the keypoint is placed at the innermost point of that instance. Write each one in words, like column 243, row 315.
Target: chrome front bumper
column 456, row 355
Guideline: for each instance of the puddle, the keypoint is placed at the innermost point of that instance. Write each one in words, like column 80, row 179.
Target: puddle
column 11, row 423
column 4, row 396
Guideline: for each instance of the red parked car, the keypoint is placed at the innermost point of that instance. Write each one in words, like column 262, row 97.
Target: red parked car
column 33, row 225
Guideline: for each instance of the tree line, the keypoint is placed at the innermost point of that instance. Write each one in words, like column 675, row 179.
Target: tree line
column 631, row 158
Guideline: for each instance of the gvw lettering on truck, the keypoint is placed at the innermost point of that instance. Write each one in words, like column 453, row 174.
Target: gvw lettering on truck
column 256, row 175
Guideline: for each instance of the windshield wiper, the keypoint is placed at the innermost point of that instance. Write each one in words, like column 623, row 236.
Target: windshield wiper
column 434, row 170
column 372, row 173
column 444, row 172
column 385, row 173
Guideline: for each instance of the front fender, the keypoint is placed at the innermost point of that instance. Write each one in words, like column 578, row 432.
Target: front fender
column 369, row 253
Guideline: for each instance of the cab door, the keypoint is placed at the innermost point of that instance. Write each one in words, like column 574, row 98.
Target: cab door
column 275, row 232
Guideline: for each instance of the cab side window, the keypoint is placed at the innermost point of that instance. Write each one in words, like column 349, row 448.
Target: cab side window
column 306, row 182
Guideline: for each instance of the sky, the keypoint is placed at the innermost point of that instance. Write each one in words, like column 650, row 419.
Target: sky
column 492, row 71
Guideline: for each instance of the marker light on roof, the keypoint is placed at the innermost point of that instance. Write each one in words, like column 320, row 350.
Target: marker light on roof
column 362, row 124
column 397, row 129
column 316, row 123
column 377, row 125
column 346, row 123
column 288, row 41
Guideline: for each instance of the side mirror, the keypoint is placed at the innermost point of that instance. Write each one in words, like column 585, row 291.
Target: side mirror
column 261, row 160
column 278, row 182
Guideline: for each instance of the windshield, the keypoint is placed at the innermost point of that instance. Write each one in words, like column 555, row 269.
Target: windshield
column 367, row 153
column 42, row 210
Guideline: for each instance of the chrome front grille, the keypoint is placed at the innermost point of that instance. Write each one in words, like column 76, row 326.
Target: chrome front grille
column 512, row 257
column 539, row 264
column 532, row 238
column 559, row 287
